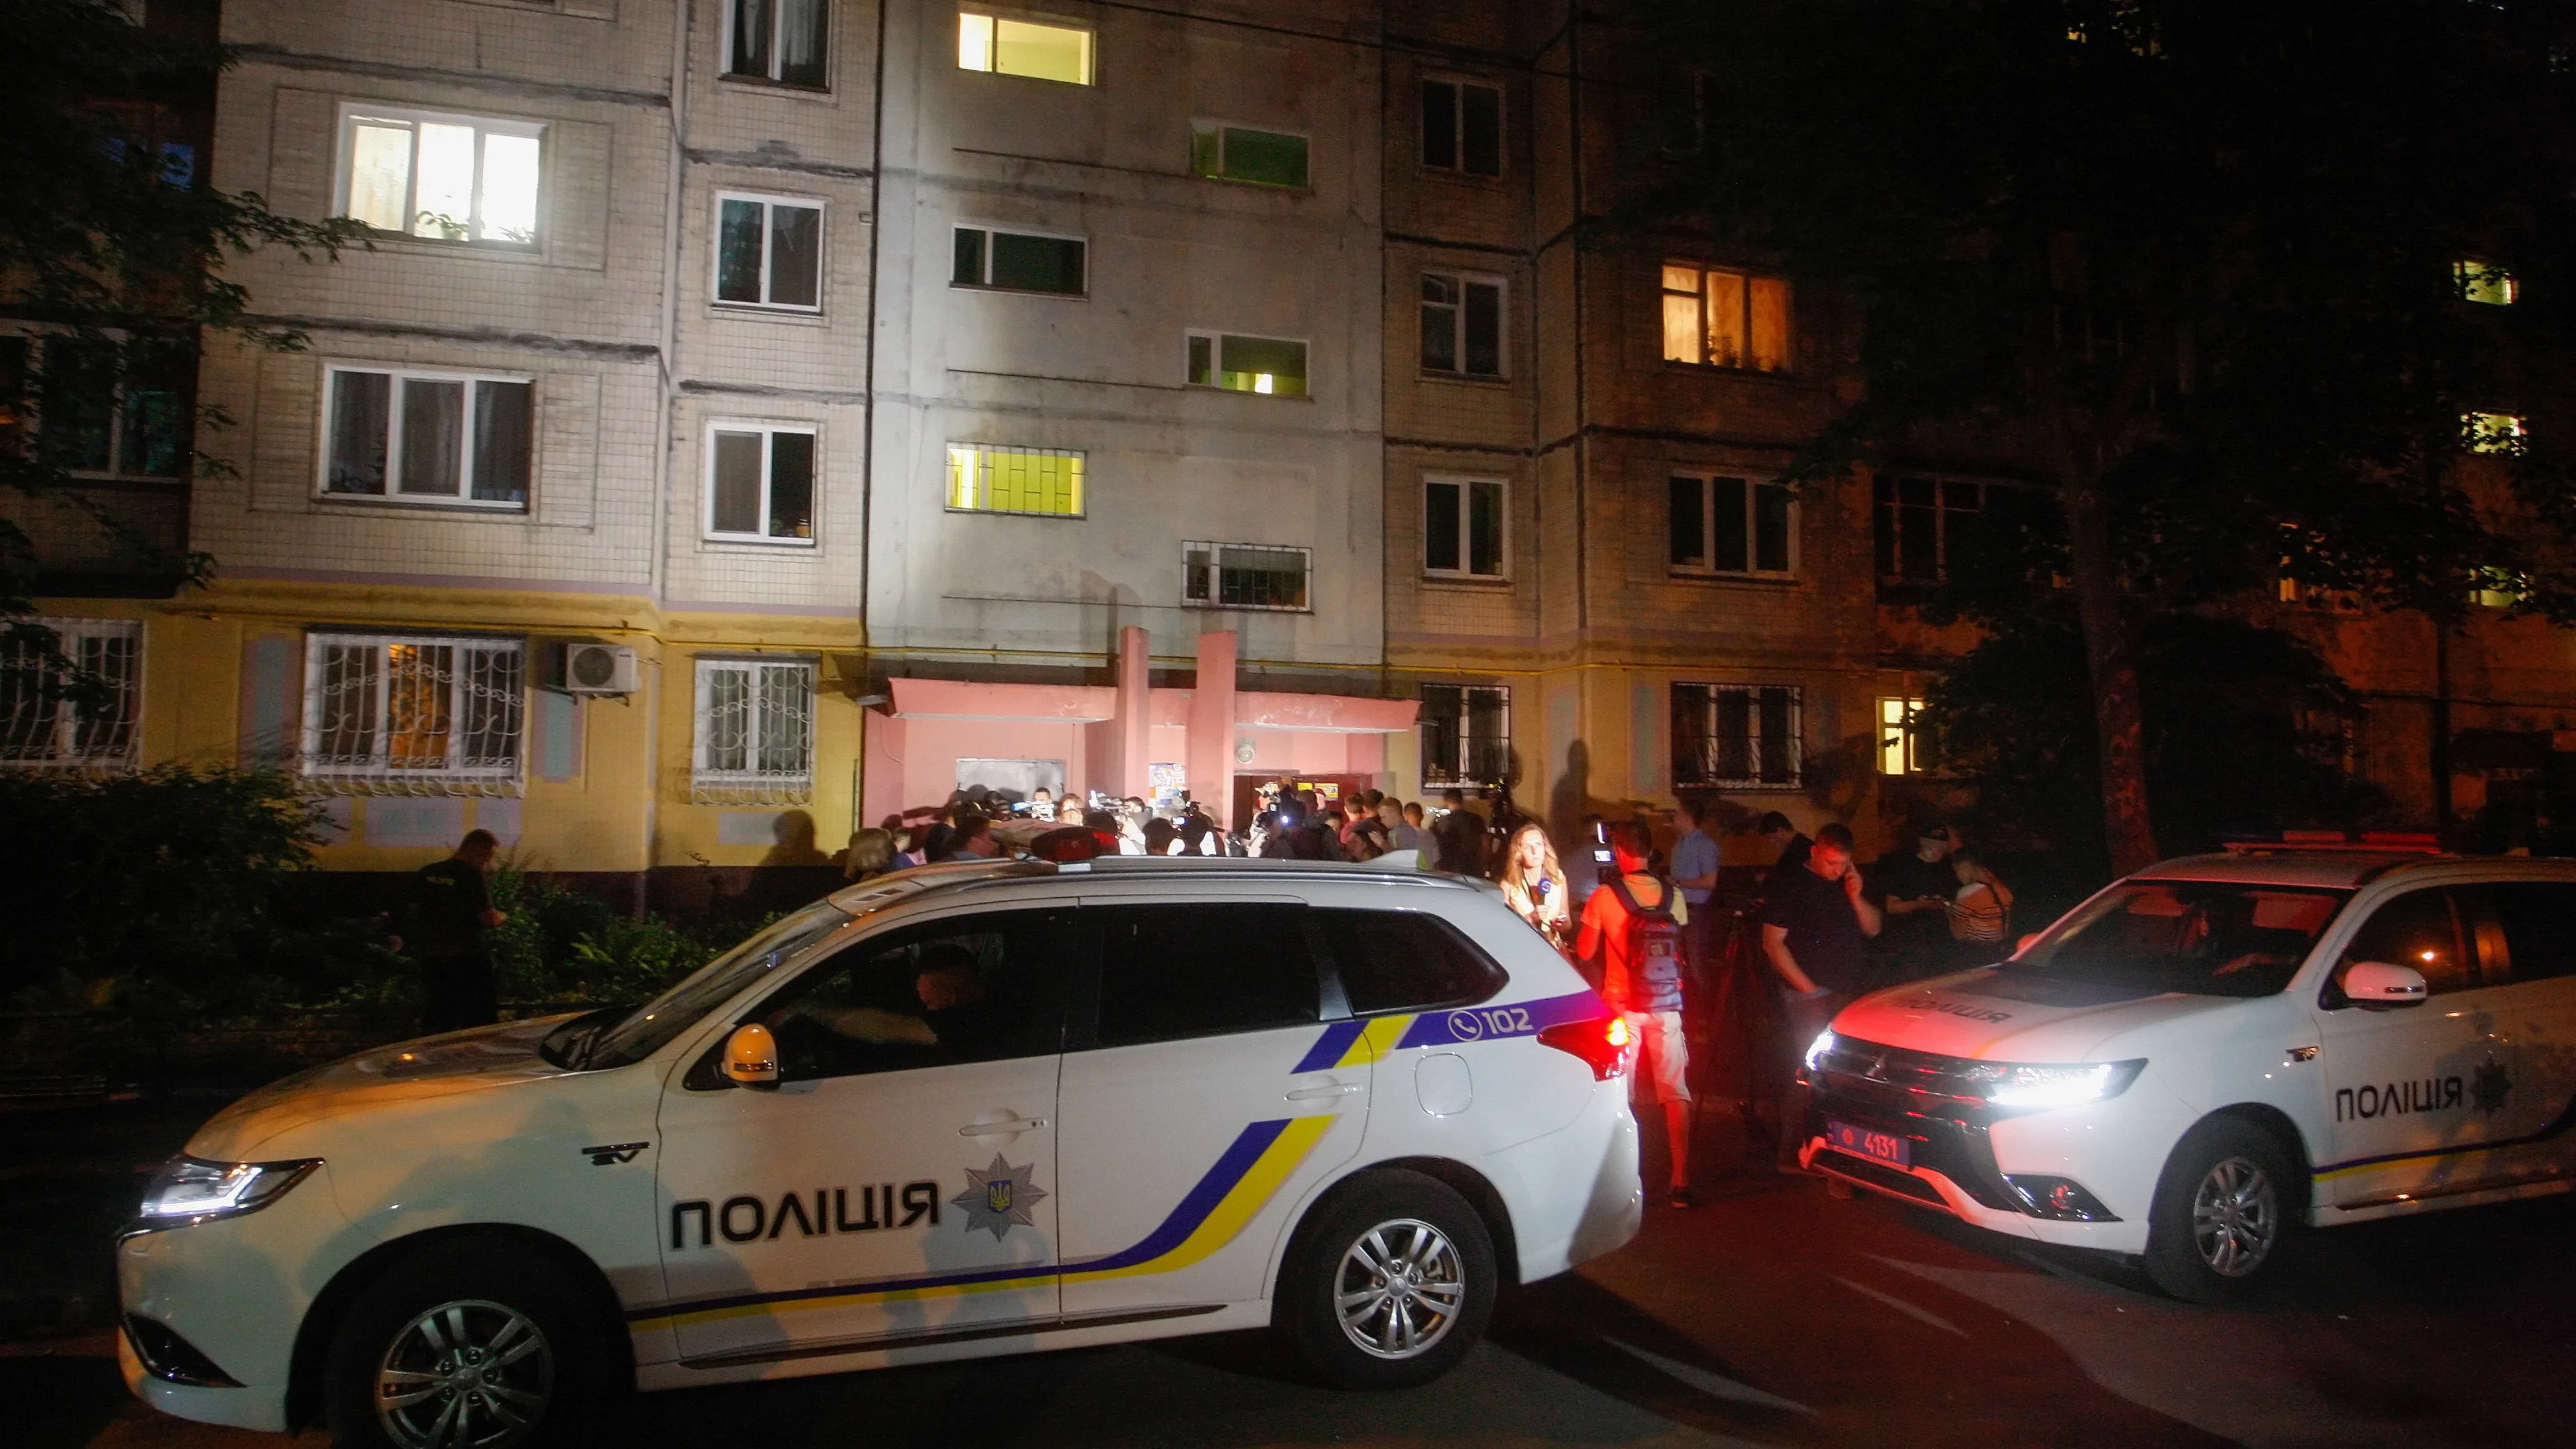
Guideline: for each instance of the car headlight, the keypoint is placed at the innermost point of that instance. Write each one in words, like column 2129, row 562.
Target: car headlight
column 2029, row 1086
column 192, row 1189
column 1817, row 1049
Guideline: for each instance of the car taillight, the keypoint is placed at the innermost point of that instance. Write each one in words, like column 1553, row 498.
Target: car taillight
column 1073, row 842
column 1604, row 1043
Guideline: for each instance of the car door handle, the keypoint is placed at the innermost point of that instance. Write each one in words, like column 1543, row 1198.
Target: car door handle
column 1001, row 1129
column 1329, row 1089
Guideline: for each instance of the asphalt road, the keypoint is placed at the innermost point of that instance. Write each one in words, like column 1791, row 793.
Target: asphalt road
column 1773, row 1314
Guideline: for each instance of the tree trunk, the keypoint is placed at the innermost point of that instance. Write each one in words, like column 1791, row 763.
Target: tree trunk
column 2118, row 725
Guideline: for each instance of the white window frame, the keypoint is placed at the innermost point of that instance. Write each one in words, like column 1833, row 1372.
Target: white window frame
column 990, row 230
column 778, row 17
column 53, row 741
column 709, row 784
column 394, row 418
column 1216, row 360
column 769, row 203
column 1753, row 484
column 1458, row 122
column 1213, row 583
column 1900, row 735
column 1458, row 326
column 766, row 428
column 352, row 112
column 994, row 16
column 461, row 774
column 1456, row 771
column 1797, row 772
column 1466, row 485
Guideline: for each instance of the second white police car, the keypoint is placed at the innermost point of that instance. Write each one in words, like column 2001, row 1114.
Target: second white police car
column 964, row 1110
column 2221, row 1047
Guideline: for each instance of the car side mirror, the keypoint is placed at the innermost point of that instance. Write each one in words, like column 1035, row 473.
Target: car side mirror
column 2383, row 983
column 751, row 1056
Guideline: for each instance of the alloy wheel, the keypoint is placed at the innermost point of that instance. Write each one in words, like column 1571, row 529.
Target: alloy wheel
column 2235, row 1216
column 1400, row 1288
column 469, row 1374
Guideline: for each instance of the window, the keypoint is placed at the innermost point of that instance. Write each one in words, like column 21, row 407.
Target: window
column 985, row 478
column 1003, row 46
column 2490, row 285
column 769, row 252
column 403, row 711
column 1725, row 319
column 2419, row 929
column 1899, row 741
column 1732, row 526
column 777, row 40
column 1462, row 325
column 1405, row 961
column 1239, row 153
column 1269, row 365
column 2494, row 432
column 120, row 409
column 45, row 724
column 1016, row 262
column 1736, row 736
column 1462, row 127
column 1466, row 734
column 1462, row 527
column 755, row 731
column 983, row 988
column 1923, row 525
column 449, row 178
column 1156, row 984
column 1244, row 576
column 2539, row 921
column 760, row 482
column 428, row 437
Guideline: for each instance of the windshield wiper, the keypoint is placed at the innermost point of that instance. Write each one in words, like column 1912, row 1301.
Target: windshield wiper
column 570, row 1045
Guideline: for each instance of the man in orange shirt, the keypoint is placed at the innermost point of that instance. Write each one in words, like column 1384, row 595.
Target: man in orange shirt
column 1632, row 929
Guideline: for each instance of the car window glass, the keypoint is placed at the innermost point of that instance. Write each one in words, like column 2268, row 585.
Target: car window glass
column 2210, row 938
column 1169, row 972
column 2419, row 929
column 2539, row 920
column 1405, row 961
column 973, row 989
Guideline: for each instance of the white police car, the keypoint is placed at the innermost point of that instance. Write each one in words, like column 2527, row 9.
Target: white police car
column 963, row 1110
column 2220, row 1047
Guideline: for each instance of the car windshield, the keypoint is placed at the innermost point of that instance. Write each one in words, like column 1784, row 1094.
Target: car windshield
column 644, row 1031
column 2208, row 938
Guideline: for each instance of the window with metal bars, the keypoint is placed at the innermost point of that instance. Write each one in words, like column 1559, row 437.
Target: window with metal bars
column 84, row 720
column 755, row 732
column 1737, row 736
column 402, row 714
column 1466, row 734
column 1244, row 576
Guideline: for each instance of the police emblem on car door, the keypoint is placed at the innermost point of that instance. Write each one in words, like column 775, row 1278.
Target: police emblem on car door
column 898, row 1182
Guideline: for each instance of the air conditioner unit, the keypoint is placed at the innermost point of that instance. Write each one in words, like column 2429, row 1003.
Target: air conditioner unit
column 599, row 669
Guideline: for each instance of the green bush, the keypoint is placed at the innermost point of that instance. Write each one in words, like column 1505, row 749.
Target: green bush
column 564, row 948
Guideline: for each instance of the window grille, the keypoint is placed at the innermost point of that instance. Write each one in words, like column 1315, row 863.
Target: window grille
column 45, row 725
column 407, row 715
column 1737, row 736
column 1466, row 734
column 755, row 733
column 1244, row 576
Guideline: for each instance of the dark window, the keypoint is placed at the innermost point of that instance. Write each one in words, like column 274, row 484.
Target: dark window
column 2421, row 929
column 1743, row 736
column 985, row 988
column 2539, row 921
column 1463, row 512
column 1172, row 972
column 1401, row 961
column 1018, row 263
column 1462, row 128
column 1925, row 527
column 779, row 40
column 1466, row 734
column 1264, row 158
column 1440, row 124
column 1690, row 523
column 769, row 253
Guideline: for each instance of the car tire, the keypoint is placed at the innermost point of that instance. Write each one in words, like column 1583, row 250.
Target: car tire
column 2222, row 1211
column 490, row 1346
column 1389, row 1284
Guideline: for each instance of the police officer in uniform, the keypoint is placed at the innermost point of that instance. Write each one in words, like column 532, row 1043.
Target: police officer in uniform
column 451, row 908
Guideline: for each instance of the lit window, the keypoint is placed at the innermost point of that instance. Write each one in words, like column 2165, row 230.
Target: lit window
column 398, row 711
column 760, row 483
column 1017, row 262
column 1462, row 128
column 2494, row 432
column 2491, row 285
column 754, row 741
column 769, row 252
column 1737, row 736
column 1269, row 365
column 1003, row 46
column 1238, row 153
column 1466, row 734
column 1462, row 325
column 1899, row 737
column 450, row 178
column 2495, row 588
column 1732, row 526
column 777, row 40
column 46, row 726
column 97, row 407
column 983, row 478
column 1462, row 527
column 1725, row 319
column 428, row 437
column 1244, row 576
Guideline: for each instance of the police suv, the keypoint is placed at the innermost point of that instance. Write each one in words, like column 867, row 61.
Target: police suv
column 963, row 1110
column 2220, row 1047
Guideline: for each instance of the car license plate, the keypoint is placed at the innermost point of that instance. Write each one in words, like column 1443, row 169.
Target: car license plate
column 1884, row 1147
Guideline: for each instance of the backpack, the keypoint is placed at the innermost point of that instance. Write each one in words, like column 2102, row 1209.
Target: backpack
column 1654, row 953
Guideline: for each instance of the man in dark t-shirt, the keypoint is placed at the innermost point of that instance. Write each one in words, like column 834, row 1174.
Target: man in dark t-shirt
column 1459, row 836
column 451, row 908
column 1914, row 888
column 1816, row 922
